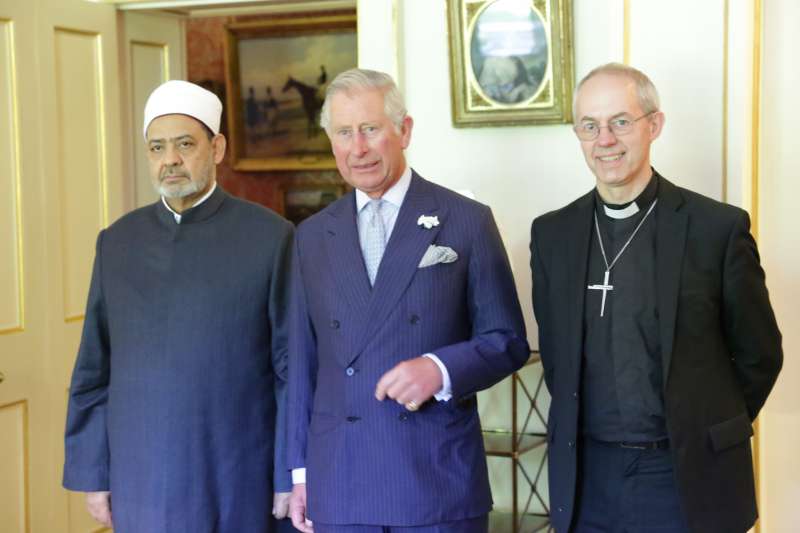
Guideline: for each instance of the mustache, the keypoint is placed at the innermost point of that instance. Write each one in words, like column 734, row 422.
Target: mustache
column 174, row 173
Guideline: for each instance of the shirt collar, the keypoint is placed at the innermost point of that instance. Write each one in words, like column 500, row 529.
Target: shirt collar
column 627, row 210
column 395, row 195
column 205, row 197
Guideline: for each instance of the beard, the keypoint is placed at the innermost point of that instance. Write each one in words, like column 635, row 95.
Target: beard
column 183, row 189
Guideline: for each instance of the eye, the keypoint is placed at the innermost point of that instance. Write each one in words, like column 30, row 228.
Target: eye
column 589, row 127
column 344, row 133
column 621, row 123
column 155, row 148
column 369, row 129
column 185, row 145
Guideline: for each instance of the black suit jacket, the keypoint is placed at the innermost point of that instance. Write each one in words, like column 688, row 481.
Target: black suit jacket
column 720, row 343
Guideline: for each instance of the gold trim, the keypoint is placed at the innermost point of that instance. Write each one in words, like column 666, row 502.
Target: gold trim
column 74, row 318
column 626, row 32
column 398, row 46
column 725, row 69
column 754, row 182
column 25, row 460
column 12, row 82
column 101, row 95
column 756, row 116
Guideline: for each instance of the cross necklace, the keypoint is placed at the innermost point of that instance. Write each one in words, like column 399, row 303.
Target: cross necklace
column 606, row 285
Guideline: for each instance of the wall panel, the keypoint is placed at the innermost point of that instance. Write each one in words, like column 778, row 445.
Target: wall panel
column 81, row 161
column 149, row 68
column 680, row 45
column 11, row 273
column 13, row 468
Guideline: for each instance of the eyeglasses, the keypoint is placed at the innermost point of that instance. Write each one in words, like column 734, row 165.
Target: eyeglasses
column 589, row 131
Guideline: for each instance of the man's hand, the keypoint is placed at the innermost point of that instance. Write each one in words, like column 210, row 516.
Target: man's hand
column 280, row 505
column 297, row 509
column 410, row 383
column 99, row 506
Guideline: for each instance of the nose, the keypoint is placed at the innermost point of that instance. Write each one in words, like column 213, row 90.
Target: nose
column 359, row 144
column 171, row 155
column 606, row 137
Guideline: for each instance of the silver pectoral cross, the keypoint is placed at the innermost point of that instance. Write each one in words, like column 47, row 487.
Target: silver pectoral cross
column 605, row 287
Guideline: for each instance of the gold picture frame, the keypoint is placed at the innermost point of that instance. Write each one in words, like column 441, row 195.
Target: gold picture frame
column 276, row 72
column 511, row 62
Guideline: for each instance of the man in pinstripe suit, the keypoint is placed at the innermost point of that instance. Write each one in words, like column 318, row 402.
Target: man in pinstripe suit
column 404, row 307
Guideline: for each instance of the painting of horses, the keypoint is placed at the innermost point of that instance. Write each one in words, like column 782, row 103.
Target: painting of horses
column 277, row 86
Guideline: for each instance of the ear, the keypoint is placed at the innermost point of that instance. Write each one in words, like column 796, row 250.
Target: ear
column 405, row 131
column 656, row 124
column 218, row 144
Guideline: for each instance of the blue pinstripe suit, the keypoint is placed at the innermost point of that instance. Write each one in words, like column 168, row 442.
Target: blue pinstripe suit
column 371, row 462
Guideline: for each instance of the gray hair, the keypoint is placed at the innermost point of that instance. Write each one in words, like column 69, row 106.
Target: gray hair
column 363, row 79
column 646, row 91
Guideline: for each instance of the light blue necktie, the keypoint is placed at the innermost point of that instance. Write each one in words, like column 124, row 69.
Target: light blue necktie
column 374, row 238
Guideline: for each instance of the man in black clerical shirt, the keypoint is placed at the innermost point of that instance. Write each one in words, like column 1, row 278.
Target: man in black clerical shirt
column 657, row 337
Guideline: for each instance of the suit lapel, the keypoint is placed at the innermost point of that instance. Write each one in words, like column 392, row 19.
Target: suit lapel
column 670, row 246
column 577, row 242
column 403, row 252
column 344, row 253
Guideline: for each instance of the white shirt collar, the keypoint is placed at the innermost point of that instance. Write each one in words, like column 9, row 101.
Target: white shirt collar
column 395, row 195
column 619, row 214
column 205, row 197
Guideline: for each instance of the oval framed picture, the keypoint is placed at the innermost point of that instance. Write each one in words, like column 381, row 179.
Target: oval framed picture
column 510, row 62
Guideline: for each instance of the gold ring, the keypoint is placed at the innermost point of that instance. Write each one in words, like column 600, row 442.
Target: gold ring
column 412, row 405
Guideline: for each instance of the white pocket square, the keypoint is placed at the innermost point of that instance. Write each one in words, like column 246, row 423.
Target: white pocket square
column 437, row 254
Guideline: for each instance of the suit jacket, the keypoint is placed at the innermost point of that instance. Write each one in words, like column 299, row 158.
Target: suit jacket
column 721, row 348
column 371, row 462
column 179, row 388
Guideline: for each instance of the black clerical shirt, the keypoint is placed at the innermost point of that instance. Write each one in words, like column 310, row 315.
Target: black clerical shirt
column 622, row 368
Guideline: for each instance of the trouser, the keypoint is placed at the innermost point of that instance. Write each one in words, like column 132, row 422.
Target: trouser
column 470, row 525
column 626, row 490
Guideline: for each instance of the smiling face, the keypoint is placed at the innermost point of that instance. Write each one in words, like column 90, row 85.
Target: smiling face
column 621, row 163
column 366, row 144
column 182, row 158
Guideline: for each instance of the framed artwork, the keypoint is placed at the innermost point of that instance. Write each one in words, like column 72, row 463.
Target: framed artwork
column 511, row 62
column 301, row 200
column 276, row 73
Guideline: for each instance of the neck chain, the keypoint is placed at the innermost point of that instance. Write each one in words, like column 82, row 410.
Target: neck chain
column 606, row 285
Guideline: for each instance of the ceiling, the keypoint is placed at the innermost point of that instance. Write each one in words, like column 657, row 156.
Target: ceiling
column 214, row 8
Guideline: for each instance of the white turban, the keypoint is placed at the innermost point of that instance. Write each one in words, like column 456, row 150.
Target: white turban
column 183, row 98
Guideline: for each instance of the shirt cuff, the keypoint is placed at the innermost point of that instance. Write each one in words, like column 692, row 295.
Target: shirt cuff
column 298, row 476
column 446, row 392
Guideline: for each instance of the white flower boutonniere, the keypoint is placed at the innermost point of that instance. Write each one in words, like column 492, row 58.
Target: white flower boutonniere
column 428, row 221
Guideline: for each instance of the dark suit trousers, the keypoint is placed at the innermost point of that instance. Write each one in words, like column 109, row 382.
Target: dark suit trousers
column 624, row 490
column 470, row 525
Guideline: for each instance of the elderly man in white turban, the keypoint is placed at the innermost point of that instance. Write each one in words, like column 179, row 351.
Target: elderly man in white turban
column 177, row 398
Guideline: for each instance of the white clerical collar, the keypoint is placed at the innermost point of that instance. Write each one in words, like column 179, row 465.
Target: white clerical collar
column 625, row 212
column 205, row 197
column 395, row 195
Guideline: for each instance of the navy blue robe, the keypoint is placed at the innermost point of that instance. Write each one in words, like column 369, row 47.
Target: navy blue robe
column 180, row 376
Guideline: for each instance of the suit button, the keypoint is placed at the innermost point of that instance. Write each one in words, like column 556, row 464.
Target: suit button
column 334, row 324
column 560, row 509
column 575, row 395
column 414, row 319
column 350, row 371
column 353, row 418
column 403, row 417
column 571, row 444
